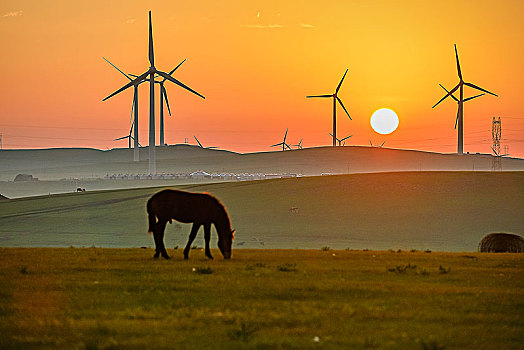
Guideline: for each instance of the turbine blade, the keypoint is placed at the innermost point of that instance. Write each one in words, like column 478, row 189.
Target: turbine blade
column 128, row 85
column 121, row 138
column 276, row 144
column 198, row 142
column 382, row 143
column 165, row 96
column 458, row 64
column 370, row 143
column 319, row 96
column 494, row 151
column 285, row 135
column 170, row 78
column 339, row 84
column 132, row 109
column 448, row 92
column 115, row 67
column 471, row 98
column 151, row 51
column 458, row 115
column 174, row 69
column 340, row 101
column 479, row 88
column 347, row 137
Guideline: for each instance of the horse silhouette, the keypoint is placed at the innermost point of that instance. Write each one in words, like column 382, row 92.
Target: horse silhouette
column 201, row 209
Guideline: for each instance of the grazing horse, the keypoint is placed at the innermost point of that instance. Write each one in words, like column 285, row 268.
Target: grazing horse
column 198, row 208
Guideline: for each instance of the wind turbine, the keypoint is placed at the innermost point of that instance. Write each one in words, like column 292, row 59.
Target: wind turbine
column 377, row 146
column 460, row 101
column 299, row 145
column 201, row 144
column 150, row 76
column 341, row 140
column 129, row 137
column 163, row 94
column 283, row 143
column 134, row 111
column 335, row 99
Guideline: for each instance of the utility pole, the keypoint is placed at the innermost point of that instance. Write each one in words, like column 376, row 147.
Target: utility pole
column 496, row 132
column 1, row 141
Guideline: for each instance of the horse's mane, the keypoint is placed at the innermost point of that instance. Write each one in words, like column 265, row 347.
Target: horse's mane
column 221, row 206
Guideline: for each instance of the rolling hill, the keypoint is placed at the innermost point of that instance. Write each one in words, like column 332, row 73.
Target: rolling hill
column 445, row 211
column 54, row 164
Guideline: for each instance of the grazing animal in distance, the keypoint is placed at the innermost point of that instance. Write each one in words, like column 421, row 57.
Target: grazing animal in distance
column 201, row 209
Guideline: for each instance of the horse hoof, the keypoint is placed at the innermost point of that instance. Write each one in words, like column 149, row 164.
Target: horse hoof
column 165, row 257
column 155, row 256
column 210, row 256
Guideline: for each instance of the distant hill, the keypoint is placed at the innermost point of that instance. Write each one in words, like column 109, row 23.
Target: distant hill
column 83, row 162
column 446, row 211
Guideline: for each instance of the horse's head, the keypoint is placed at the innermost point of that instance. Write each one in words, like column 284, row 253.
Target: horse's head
column 225, row 241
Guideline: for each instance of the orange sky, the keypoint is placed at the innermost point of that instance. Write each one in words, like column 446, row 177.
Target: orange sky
column 255, row 61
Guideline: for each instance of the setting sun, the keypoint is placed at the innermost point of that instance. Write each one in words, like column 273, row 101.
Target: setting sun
column 384, row 121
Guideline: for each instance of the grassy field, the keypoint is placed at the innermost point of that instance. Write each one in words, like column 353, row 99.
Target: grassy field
column 441, row 211
column 97, row 298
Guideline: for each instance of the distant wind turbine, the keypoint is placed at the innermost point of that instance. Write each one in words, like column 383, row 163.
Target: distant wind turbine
column 341, row 142
column 299, row 145
column 283, row 143
column 335, row 99
column 201, row 144
column 460, row 101
column 377, row 146
column 129, row 137
column 134, row 111
column 150, row 75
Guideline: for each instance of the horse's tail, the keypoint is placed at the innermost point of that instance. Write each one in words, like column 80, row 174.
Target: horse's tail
column 151, row 217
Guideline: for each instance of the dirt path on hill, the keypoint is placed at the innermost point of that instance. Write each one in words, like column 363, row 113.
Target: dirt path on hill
column 73, row 207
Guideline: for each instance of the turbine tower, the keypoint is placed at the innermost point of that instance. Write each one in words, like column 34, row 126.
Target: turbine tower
column 460, row 112
column 149, row 75
column 335, row 99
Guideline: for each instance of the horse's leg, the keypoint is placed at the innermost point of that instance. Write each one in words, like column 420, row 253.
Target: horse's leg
column 207, row 237
column 161, row 227
column 156, row 236
column 192, row 236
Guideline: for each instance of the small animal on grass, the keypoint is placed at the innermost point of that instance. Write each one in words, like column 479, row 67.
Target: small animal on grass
column 201, row 209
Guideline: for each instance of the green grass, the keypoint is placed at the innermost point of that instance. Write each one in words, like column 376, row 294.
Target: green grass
column 97, row 298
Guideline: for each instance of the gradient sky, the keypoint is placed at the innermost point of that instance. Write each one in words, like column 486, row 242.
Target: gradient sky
column 255, row 61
